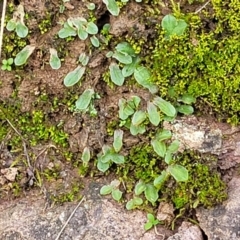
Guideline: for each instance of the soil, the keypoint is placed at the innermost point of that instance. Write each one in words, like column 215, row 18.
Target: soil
column 27, row 85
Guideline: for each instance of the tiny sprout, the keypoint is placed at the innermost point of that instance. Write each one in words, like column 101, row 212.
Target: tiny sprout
column 6, row 64
column 91, row 6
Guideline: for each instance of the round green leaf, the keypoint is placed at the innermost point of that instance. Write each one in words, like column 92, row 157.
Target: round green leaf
column 116, row 194
column 91, row 28
column 11, row 25
column 130, row 205
column 103, row 167
column 163, row 135
column 135, row 130
column 148, row 226
column 74, row 76
column 67, row 31
column 173, row 147
column 112, row 7
column 105, row 190
column 82, row 34
column 86, row 155
column 179, row 172
column 151, row 193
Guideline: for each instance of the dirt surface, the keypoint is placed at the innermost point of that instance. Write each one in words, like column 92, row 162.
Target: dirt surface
column 53, row 172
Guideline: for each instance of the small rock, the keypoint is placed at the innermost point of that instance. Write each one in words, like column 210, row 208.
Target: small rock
column 222, row 222
column 187, row 231
column 10, row 173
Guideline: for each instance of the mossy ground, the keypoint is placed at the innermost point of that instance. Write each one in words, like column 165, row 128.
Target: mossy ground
column 203, row 62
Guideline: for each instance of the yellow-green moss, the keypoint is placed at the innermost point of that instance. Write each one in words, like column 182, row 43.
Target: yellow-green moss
column 204, row 61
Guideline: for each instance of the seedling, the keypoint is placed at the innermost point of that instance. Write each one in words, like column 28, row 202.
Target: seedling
column 22, row 57
column 17, row 22
column 86, row 156
column 78, row 26
column 151, row 222
column 134, row 203
column 111, row 154
column 113, row 189
column 173, row 26
column 7, row 64
column 84, row 100
column 112, row 7
column 54, row 61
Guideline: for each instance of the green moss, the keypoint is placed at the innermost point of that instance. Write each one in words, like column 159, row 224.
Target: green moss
column 205, row 61
column 204, row 186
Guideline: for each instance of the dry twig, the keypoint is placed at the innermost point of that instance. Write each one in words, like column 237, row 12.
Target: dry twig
column 2, row 24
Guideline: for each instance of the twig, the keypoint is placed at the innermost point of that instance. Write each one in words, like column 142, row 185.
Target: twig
column 159, row 234
column 59, row 234
column 201, row 8
column 18, row 133
column 2, row 24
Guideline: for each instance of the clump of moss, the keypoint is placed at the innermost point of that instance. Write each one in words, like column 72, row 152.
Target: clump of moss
column 204, row 186
column 204, row 61
column 141, row 163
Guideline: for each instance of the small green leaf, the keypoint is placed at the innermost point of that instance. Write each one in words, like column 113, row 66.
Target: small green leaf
column 11, row 25
column 153, row 114
column 83, row 59
column 187, row 99
column 160, row 180
column 168, row 157
column 125, row 59
column 185, row 109
column 124, row 109
column 86, row 155
column 117, row 158
column 142, row 76
column 135, row 130
column 22, row 57
column 159, row 147
column 82, row 34
column 116, row 74
column 116, row 194
column 173, row 26
column 117, row 142
column 91, row 6
column 163, row 135
column 148, row 226
column 130, row 205
column 128, row 69
column 103, row 167
column 125, row 48
column 74, row 76
column 140, row 188
column 138, row 117
column 10, row 61
column 21, row 30
column 105, row 190
column 84, row 100
column 112, row 7
column 91, row 28
column 165, row 106
column 95, row 42
column 173, row 147
column 150, row 217
column 54, row 61
column 67, row 31
column 151, row 193
column 179, row 172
